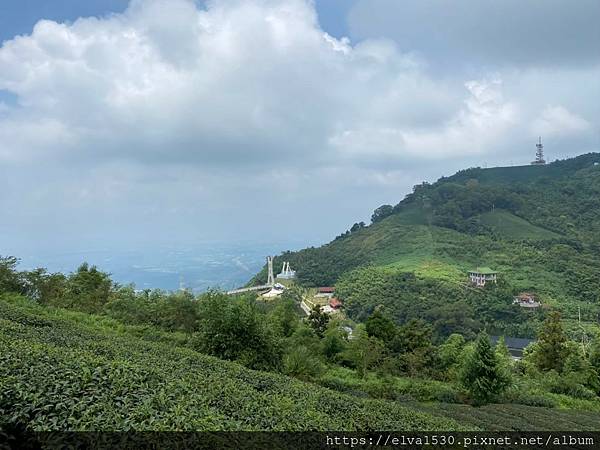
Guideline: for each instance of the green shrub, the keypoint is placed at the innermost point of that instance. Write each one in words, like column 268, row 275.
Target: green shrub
column 301, row 363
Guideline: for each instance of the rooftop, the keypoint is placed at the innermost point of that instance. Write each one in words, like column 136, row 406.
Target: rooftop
column 325, row 290
column 512, row 342
column 484, row 271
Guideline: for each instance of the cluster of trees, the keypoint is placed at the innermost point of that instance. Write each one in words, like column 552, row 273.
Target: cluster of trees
column 487, row 373
column 483, row 372
column 357, row 226
column 87, row 288
column 456, row 206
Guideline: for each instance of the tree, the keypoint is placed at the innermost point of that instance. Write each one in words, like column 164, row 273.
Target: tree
column 551, row 347
column 87, row 289
column 413, row 345
column 177, row 312
column 454, row 317
column 365, row 352
column 595, row 354
column 318, row 320
column 448, row 355
column 381, row 327
column 381, row 213
column 284, row 317
column 504, row 358
column 9, row 277
column 302, row 363
column 415, row 334
column 357, row 226
column 334, row 342
column 234, row 329
column 482, row 374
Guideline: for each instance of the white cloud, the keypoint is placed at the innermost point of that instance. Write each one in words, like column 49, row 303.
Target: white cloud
column 243, row 104
column 484, row 116
column 238, row 83
column 558, row 121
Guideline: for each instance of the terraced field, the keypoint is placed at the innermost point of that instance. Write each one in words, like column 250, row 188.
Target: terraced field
column 518, row 417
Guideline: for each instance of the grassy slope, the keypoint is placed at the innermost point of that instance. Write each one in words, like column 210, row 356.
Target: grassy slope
column 508, row 226
column 66, row 370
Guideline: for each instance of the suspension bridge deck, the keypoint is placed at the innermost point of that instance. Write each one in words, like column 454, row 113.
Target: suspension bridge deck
column 248, row 289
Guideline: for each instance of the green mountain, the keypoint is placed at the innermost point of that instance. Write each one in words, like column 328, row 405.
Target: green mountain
column 538, row 226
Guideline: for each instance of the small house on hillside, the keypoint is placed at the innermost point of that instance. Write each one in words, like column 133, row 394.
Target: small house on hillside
column 335, row 303
column 483, row 275
column 516, row 346
column 325, row 291
column 526, row 300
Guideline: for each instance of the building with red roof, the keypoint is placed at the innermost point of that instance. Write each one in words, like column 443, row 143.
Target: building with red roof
column 335, row 303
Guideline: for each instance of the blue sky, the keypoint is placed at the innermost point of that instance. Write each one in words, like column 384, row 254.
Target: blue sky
column 169, row 121
column 19, row 16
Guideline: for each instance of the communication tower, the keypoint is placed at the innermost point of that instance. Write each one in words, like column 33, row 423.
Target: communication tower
column 539, row 154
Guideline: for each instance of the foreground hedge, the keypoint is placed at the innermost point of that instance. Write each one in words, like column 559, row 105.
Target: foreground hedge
column 57, row 373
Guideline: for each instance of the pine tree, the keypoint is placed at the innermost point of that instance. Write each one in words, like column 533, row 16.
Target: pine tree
column 551, row 349
column 483, row 375
column 449, row 356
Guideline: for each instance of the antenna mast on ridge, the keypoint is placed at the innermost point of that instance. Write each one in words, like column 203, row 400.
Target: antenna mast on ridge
column 539, row 154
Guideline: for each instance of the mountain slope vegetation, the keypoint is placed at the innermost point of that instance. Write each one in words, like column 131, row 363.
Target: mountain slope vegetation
column 539, row 226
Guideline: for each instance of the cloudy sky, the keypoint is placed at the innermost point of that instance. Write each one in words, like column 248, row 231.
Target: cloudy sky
column 157, row 121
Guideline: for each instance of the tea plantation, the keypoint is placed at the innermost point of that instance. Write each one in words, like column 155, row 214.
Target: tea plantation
column 59, row 373
column 62, row 370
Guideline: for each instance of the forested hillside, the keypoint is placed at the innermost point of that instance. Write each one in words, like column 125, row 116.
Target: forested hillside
column 538, row 226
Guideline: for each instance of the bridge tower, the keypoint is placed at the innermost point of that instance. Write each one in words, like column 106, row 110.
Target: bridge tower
column 270, row 276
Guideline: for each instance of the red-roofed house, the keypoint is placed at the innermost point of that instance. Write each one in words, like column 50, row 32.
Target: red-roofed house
column 335, row 303
column 325, row 290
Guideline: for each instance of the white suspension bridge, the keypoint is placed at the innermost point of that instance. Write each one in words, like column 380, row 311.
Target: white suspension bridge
column 286, row 274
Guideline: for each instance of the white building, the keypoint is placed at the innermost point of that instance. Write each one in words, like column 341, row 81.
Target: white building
column 483, row 275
